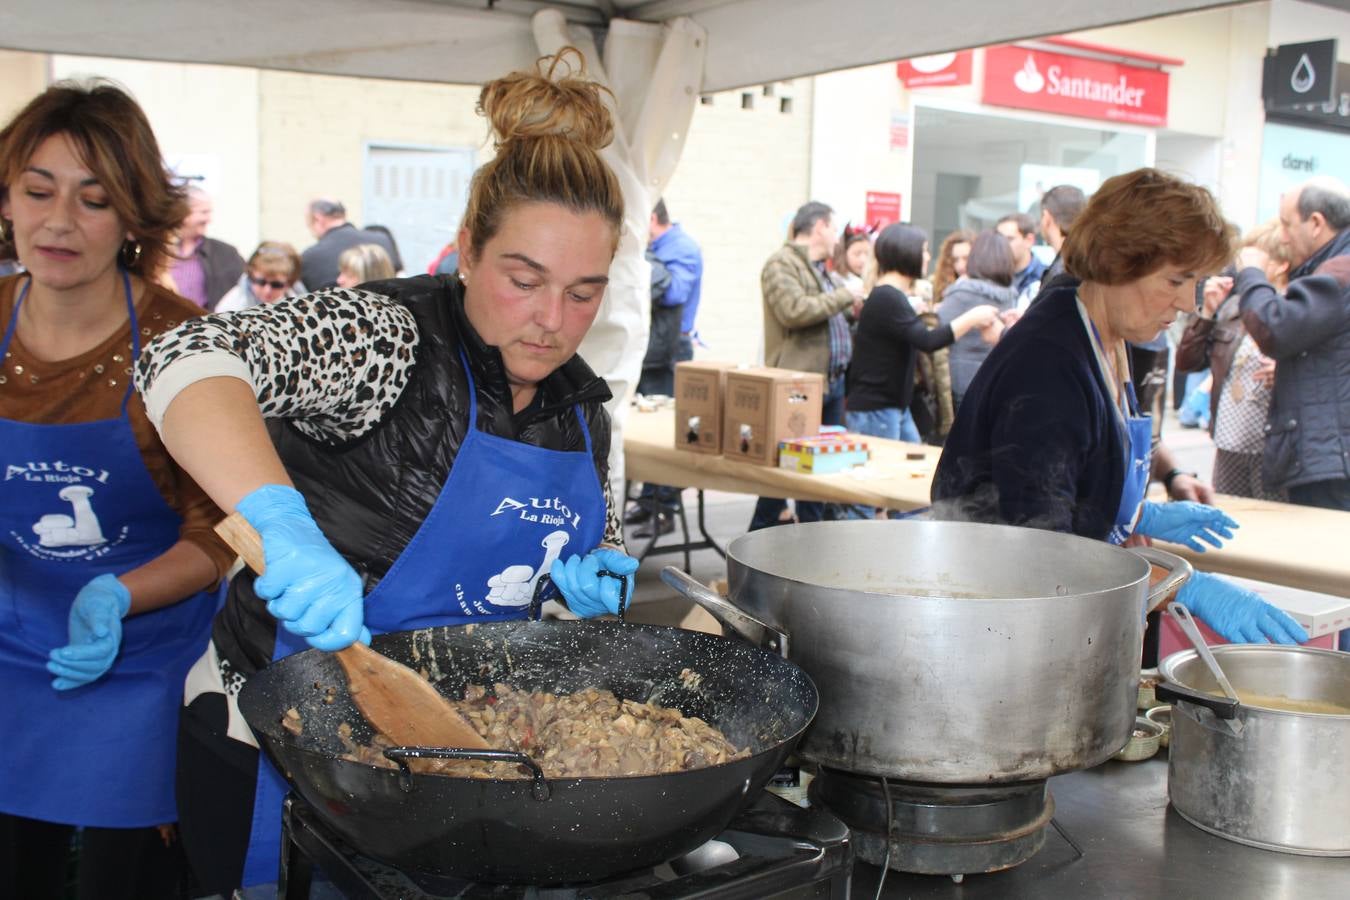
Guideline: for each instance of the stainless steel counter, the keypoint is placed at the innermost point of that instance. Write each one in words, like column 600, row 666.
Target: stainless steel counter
column 1134, row 845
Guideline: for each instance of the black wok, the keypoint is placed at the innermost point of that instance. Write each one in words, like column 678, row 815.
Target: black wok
column 535, row 830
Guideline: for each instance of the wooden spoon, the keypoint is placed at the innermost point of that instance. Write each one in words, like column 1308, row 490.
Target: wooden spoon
column 395, row 700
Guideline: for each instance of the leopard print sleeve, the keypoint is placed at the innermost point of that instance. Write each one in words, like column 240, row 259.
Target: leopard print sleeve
column 613, row 527
column 333, row 362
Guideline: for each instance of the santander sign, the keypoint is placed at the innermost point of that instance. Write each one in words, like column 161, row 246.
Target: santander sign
column 1074, row 86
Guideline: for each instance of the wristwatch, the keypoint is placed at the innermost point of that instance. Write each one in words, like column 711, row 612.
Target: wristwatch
column 1171, row 476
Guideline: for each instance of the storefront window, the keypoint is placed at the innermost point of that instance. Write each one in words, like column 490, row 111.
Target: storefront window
column 971, row 169
column 1291, row 155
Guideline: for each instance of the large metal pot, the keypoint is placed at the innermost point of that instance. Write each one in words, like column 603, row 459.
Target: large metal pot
column 1257, row 775
column 949, row 652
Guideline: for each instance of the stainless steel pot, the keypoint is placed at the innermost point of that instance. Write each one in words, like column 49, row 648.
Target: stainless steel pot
column 949, row 652
column 1262, row 776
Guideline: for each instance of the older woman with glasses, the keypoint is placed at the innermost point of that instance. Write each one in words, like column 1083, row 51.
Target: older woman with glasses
column 1050, row 433
column 273, row 272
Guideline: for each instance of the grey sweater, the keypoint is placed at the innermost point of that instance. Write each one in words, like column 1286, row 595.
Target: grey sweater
column 970, row 351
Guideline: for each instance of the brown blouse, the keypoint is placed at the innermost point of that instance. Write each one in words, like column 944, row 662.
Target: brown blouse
column 90, row 387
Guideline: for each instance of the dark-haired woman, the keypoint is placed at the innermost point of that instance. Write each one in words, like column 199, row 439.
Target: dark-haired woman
column 441, row 446
column 1050, row 434
column 106, row 548
column 890, row 335
column 989, row 277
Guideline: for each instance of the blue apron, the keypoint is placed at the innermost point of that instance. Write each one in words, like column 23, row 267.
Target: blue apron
column 1138, row 434
column 507, row 510
column 76, row 502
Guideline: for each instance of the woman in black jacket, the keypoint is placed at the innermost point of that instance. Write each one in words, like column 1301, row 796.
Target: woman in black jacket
column 890, row 336
column 439, row 446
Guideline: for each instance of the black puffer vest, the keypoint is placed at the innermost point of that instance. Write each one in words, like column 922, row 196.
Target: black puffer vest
column 371, row 494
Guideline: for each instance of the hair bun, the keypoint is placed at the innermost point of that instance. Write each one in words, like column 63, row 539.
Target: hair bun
column 555, row 99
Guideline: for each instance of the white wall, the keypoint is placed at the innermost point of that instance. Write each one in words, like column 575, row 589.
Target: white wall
column 315, row 129
column 743, row 174
column 851, row 133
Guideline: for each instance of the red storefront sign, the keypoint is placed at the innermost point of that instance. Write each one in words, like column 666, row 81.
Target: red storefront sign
column 939, row 70
column 1074, row 86
column 883, row 208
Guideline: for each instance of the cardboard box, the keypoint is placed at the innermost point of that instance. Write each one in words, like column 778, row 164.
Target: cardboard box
column 765, row 406
column 699, row 388
column 823, row 454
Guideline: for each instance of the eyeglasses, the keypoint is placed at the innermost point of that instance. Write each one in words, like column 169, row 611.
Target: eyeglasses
column 261, row 282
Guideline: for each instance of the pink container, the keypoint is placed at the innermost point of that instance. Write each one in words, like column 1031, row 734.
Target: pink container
column 1321, row 615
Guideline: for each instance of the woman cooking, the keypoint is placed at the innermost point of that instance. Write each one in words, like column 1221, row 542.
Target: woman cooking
column 441, row 447
column 106, row 548
column 1050, row 435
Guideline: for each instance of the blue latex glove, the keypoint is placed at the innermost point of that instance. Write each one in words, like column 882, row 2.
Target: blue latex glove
column 1237, row 614
column 308, row 586
column 586, row 593
column 1186, row 523
column 95, row 633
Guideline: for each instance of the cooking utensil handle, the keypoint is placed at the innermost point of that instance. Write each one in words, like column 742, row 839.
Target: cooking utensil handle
column 747, row 626
column 1178, row 573
column 1184, row 618
column 1222, row 707
column 540, row 789
column 537, row 601
column 243, row 539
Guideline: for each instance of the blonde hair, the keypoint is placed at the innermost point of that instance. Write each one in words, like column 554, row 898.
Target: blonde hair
column 549, row 126
column 1266, row 237
column 1140, row 221
column 368, row 262
column 114, row 139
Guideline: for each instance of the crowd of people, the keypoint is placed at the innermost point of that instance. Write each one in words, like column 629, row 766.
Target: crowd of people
column 1268, row 330
column 153, row 378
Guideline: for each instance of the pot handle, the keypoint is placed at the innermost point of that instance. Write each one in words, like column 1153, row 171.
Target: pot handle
column 1222, row 707
column 1178, row 573
column 540, row 789
column 733, row 617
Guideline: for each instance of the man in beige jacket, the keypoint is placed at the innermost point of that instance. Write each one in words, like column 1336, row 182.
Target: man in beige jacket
column 806, row 326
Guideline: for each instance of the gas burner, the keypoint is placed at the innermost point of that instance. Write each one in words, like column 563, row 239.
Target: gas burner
column 937, row 829
column 771, row 847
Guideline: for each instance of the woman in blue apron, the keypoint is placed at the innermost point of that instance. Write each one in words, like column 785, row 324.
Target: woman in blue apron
column 106, row 548
column 436, row 448
column 1050, row 434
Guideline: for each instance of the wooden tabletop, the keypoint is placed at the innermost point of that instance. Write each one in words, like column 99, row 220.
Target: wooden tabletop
column 1279, row 543
column 890, row 479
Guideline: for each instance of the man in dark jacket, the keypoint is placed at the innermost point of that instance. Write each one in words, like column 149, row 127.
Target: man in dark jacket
column 1059, row 207
column 204, row 269
column 1307, row 332
column 1020, row 230
column 333, row 234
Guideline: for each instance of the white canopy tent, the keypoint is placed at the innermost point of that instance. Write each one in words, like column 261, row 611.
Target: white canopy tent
column 656, row 55
column 471, row 41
